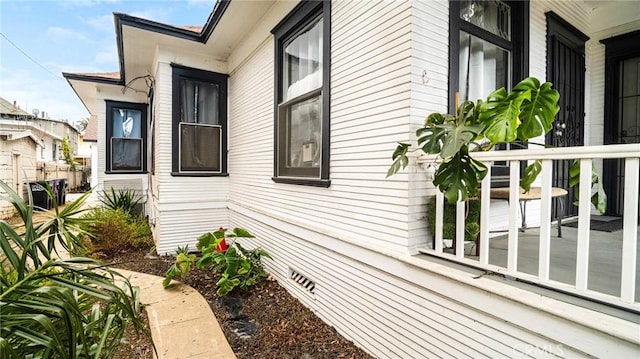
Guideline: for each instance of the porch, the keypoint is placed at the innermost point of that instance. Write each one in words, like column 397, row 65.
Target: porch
column 605, row 249
column 596, row 265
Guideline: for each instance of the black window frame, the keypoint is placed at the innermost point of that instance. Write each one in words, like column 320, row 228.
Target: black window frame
column 142, row 107
column 179, row 73
column 152, row 129
column 518, row 47
column 617, row 49
column 298, row 18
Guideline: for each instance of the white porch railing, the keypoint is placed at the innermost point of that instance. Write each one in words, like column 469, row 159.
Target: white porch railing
column 586, row 155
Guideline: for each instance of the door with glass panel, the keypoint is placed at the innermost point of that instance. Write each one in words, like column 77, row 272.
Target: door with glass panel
column 565, row 69
column 490, row 38
column 622, row 111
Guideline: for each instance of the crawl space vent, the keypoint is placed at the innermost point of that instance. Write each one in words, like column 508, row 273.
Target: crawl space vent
column 306, row 283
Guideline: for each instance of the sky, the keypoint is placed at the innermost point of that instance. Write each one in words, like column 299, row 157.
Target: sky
column 40, row 39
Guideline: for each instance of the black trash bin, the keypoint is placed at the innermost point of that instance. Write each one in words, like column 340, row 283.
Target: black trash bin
column 62, row 191
column 54, row 184
column 41, row 199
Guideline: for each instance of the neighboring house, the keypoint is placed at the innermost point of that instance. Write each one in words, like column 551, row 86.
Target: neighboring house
column 20, row 141
column 88, row 150
column 50, row 132
column 280, row 117
column 59, row 130
column 28, row 144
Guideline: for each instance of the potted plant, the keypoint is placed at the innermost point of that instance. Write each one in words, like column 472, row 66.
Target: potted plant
column 506, row 117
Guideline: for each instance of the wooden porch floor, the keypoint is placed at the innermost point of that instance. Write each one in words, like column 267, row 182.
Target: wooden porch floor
column 605, row 256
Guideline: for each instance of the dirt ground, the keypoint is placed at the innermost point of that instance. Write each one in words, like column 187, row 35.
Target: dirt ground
column 266, row 322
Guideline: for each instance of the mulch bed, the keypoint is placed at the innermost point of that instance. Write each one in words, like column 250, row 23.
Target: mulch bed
column 266, row 322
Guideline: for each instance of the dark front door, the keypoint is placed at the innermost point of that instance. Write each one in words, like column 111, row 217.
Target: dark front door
column 622, row 110
column 565, row 69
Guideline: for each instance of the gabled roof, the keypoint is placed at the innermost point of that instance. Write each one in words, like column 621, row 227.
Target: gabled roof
column 91, row 131
column 8, row 108
column 138, row 40
column 194, row 33
column 13, row 135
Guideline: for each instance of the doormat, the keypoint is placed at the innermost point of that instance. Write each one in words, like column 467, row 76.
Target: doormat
column 599, row 225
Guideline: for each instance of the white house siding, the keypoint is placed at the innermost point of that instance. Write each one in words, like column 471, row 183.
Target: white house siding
column 394, row 309
column 370, row 105
column 429, row 93
column 106, row 182
column 354, row 238
column 183, row 207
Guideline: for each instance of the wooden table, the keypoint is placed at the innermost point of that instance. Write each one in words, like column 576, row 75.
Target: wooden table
column 534, row 193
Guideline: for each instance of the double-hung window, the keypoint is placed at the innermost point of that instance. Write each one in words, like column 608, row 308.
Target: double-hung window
column 302, row 95
column 199, row 122
column 489, row 49
column 126, row 137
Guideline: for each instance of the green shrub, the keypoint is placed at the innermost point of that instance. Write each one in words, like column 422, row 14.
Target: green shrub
column 472, row 219
column 236, row 267
column 113, row 230
column 127, row 200
column 53, row 308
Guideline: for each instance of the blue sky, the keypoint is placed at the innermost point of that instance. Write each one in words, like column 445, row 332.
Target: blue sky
column 71, row 36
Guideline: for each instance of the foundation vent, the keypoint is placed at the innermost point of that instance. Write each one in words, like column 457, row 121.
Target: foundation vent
column 304, row 282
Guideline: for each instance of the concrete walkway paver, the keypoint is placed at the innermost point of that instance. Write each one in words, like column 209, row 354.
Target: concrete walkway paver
column 182, row 323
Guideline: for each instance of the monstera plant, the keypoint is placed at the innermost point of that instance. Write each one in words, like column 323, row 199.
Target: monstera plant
column 506, row 117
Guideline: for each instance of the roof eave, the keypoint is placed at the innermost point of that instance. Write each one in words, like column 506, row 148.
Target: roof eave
column 121, row 20
column 92, row 78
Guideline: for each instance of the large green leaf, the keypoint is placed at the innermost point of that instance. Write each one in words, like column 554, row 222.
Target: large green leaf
column 500, row 115
column 430, row 138
column 457, row 137
column 531, row 172
column 209, row 258
column 233, row 262
column 537, row 114
column 400, row 159
column 45, row 303
column 208, row 240
column 465, row 112
column 458, row 177
column 599, row 197
column 242, row 233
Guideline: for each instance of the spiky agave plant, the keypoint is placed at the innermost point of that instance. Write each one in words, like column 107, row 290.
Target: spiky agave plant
column 52, row 307
column 124, row 199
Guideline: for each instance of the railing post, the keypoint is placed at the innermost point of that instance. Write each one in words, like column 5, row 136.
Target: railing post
column 514, row 206
column 460, row 228
column 629, row 230
column 544, row 249
column 485, row 204
column 439, row 221
column 584, row 216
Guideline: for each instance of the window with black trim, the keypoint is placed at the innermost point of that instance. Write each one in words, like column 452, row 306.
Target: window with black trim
column 126, row 142
column 199, row 122
column 489, row 49
column 152, row 130
column 302, row 95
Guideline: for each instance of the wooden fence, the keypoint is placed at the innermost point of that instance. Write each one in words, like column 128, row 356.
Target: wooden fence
column 74, row 176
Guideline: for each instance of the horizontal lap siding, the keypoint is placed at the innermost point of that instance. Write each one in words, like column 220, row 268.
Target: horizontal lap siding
column 429, row 93
column 406, row 315
column 391, row 308
column 186, row 206
column 369, row 112
column 106, row 181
